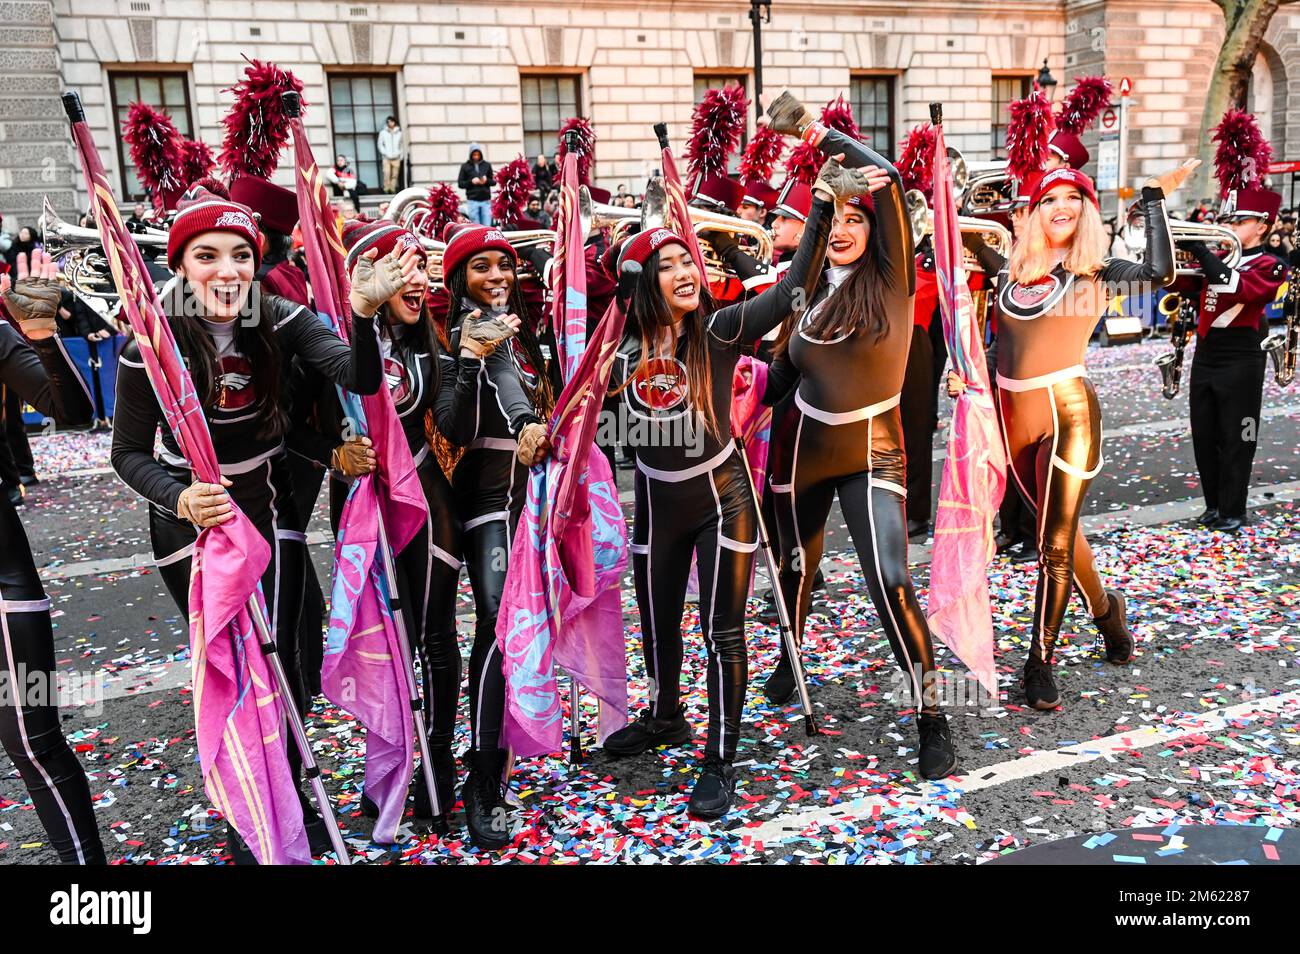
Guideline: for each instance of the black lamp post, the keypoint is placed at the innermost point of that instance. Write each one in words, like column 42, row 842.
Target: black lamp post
column 1046, row 81
column 760, row 12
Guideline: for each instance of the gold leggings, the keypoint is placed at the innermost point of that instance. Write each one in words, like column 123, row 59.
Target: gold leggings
column 1051, row 429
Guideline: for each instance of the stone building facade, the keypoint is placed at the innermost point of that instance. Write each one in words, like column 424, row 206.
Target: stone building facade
column 499, row 73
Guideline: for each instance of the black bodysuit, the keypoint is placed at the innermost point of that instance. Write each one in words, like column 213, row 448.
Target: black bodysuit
column 41, row 374
column 693, row 496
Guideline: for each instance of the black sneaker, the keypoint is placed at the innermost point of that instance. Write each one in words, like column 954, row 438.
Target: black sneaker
column 938, row 758
column 779, row 687
column 647, row 732
column 1028, row 554
column 1040, row 687
column 714, row 790
column 1114, row 629
column 485, row 810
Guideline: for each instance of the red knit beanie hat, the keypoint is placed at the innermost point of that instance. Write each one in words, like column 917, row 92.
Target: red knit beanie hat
column 200, row 211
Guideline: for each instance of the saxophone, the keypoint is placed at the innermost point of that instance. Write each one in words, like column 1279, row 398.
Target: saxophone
column 1281, row 349
column 1181, row 312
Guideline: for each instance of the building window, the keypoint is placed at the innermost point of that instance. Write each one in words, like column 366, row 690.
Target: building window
column 548, row 100
column 168, row 92
column 708, row 81
column 873, row 109
column 1006, row 89
column 359, row 105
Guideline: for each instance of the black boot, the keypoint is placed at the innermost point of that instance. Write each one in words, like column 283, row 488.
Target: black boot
column 714, row 790
column 1114, row 629
column 240, row 853
column 779, row 686
column 1040, row 687
column 444, row 777
column 647, row 732
column 938, row 757
column 318, row 837
column 485, row 810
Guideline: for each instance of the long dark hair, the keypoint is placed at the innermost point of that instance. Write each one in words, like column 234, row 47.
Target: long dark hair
column 405, row 347
column 649, row 314
column 858, row 305
column 458, row 291
column 255, row 339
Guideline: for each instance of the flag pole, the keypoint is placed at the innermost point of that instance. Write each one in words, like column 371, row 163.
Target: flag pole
column 782, row 611
column 408, row 667
column 296, row 728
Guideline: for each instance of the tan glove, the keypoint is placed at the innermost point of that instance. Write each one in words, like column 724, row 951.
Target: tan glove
column 354, row 457
column 534, row 445
column 374, row 282
column 840, row 182
column 1174, row 178
column 33, row 303
column 481, row 336
column 787, row 115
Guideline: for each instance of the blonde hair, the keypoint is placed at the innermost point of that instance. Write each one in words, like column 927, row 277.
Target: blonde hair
column 1031, row 255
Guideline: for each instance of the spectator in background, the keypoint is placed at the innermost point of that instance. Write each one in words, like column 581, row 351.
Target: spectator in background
column 390, row 151
column 136, row 223
column 343, row 181
column 1277, row 244
column 476, row 179
column 622, row 193
column 23, row 244
column 537, row 213
column 552, row 204
column 544, row 175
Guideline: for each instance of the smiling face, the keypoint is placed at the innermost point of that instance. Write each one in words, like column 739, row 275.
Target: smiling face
column 1058, row 213
column 405, row 307
column 679, row 280
column 219, row 268
column 490, row 277
column 849, row 236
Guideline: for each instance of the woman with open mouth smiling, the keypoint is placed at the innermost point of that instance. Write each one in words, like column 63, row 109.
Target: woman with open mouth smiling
column 238, row 344
column 843, row 435
column 1051, row 296
column 693, row 496
column 493, row 403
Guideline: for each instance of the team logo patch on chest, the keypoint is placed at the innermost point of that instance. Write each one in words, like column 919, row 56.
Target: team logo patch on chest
column 235, row 381
column 520, row 358
column 1031, row 296
column 399, row 382
column 661, row 384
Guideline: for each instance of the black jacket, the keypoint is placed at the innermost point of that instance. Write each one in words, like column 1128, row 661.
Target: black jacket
column 472, row 170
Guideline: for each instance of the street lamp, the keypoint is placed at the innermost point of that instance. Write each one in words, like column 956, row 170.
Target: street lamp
column 1046, row 81
column 760, row 12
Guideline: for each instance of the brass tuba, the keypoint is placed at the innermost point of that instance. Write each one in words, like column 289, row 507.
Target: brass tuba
column 705, row 222
column 993, row 233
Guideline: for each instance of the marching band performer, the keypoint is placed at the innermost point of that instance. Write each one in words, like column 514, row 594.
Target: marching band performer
column 494, row 404
column 241, row 370
column 845, row 360
column 1227, row 383
column 1051, row 294
column 38, row 369
column 675, row 371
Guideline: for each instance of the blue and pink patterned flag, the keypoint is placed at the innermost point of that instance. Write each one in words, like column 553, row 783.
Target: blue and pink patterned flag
column 238, row 712
column 974, row 472
column 364, row 670
column 562, row 604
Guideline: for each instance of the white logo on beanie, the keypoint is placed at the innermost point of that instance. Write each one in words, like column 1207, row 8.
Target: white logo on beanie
column 234, row 219
column 661, row 235
column 494, row 235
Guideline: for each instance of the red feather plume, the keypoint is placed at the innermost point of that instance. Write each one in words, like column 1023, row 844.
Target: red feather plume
column 514, row 185
column 916, row 163
column 761, row 154
column 804, row 163
column 1243, row 154
column 257, row 128
column 838, row 114
column 1028, row 132
column 444, row 208
column 1083, row 104
column 586, row 149
column 155, row 152
column 716, row 125
column 196, row 160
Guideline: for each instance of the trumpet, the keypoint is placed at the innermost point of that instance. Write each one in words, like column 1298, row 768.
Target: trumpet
column 1182, row 231
column 1180, row 311
column 80, row 253
column 1281, row 349
column 991, row 232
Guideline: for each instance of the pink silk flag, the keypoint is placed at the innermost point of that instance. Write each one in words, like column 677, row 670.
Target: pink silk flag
column 679, row 215
column 364, row 668
column 239, row 715
column 974, row 472
column 562, row 604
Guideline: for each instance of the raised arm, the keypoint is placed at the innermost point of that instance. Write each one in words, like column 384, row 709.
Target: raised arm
column 353, row 366
column 1158, row 263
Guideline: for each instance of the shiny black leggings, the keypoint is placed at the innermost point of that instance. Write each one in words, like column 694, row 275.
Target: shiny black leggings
column 863, row 462
column 712, row 516
column 1052, row 436
column 265, row 497
column 29, row 713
